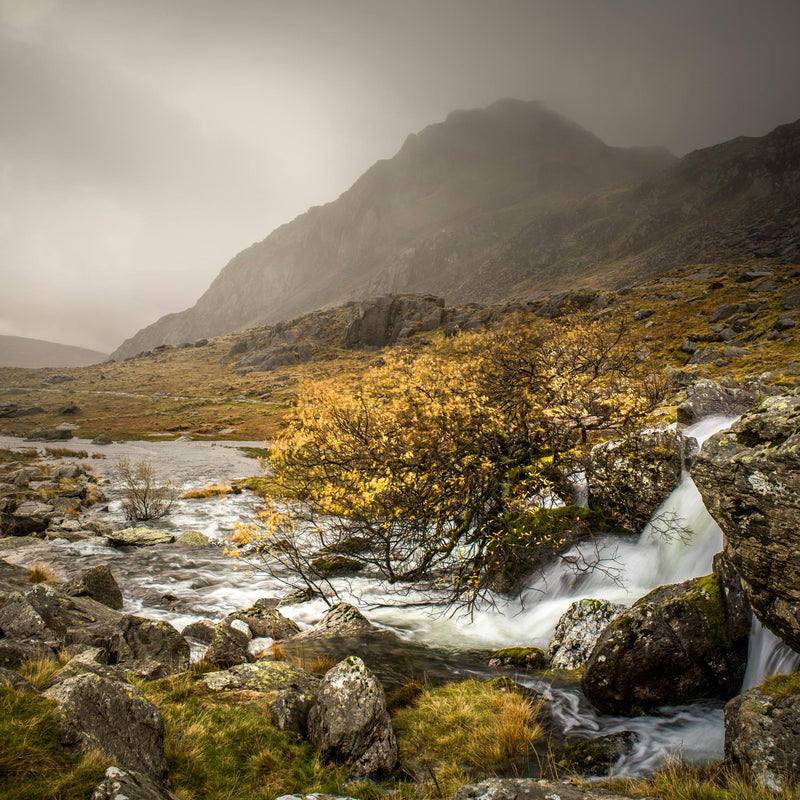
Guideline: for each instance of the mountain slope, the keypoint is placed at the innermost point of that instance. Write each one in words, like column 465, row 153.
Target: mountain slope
column 18, row 351
column 452, row 194
column 735, row 202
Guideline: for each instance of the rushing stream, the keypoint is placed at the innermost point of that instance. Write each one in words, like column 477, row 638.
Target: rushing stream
column 186, row 584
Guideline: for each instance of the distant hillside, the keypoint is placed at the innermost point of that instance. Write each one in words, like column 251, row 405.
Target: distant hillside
column 17, row 351
column 418, row 222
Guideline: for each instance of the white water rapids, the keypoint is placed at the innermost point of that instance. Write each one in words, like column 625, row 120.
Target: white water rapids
column 184, row 585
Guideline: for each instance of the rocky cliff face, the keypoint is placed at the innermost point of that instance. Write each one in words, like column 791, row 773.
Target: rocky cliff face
column 749, row 478
column 414, row 223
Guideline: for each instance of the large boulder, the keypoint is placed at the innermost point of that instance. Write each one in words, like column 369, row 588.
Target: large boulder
column 99, row 712
column 349, row 720
column 229, row 644
column 263, row 676
column 673, row 646
column 149, row 648
column 122, row 784
column 762, row 735
column 707, row 398
column 578, row 630
column 264, row 620
column 595, row 757
column 341, row 619
column 99, row 584
column 630, row 478
column 21, row 525
column 749, row 478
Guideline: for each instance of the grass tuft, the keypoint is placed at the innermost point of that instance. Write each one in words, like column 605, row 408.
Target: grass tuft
column 43, row 573
column 40, row 673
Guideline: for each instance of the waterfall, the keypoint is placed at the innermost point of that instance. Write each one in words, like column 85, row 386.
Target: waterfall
column 767, row 655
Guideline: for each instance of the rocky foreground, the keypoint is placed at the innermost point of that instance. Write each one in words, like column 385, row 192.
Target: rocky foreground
column 678, row 644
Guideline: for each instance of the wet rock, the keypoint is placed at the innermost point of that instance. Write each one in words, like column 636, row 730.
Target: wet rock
column 595, row 757
column 297, row 596
column 229, row 644
column 630, row 478
column 740, row 614
column 150, row 648
column 98, row 713
column 349, row 720
column 202, row 631
column 520, row 657
column 193, row 539
column 530, row 789
column 707, row 398
column 13, row 680
column 264, row 620
column 99, row 584
column 336, row 565
column 762, row 736
column 140, row 537
column 673, row 646
column 123, row 784
column 341, row 619
column 578, row 630
column 262, row 676
column 749, row 478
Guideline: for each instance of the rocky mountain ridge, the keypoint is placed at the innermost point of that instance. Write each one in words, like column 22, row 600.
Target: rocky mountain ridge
column 412, row 223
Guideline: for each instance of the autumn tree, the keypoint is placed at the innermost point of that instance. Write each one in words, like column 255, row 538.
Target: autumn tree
column 436, row 469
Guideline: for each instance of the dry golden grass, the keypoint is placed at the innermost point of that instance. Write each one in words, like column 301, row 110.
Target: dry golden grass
column 43, row 573
column 321, row 664
column 39, row 673
column 212, row 490
column 464, row 726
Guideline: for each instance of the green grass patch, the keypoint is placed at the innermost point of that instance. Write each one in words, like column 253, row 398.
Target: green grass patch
column 224, row 745
column 781, row 685
column 31, row 763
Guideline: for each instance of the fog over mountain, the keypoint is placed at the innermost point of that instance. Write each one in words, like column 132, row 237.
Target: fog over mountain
column 143, row 144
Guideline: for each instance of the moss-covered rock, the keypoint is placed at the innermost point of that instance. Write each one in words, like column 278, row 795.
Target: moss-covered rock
column 262, row 676
column 192, row 539
column 518, row 657
column 596, row 756
column 140, row 537
column 333, row 566
column 673, row 646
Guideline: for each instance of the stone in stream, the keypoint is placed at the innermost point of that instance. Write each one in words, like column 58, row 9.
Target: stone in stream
column 519, row 657
column 201, row 631
column 578, row 630
column 630, row 478
column 673, row 646
column 140, row 537
column 707, row 398
column 349, row 719
column 264, row 620
column 229, row 644
column 341, row 619
column 595, row 757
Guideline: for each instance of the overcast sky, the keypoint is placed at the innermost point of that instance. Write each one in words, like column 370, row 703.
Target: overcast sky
column 143, row 143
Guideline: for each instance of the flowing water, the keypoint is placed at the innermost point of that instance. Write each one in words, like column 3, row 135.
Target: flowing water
column 184, row 585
